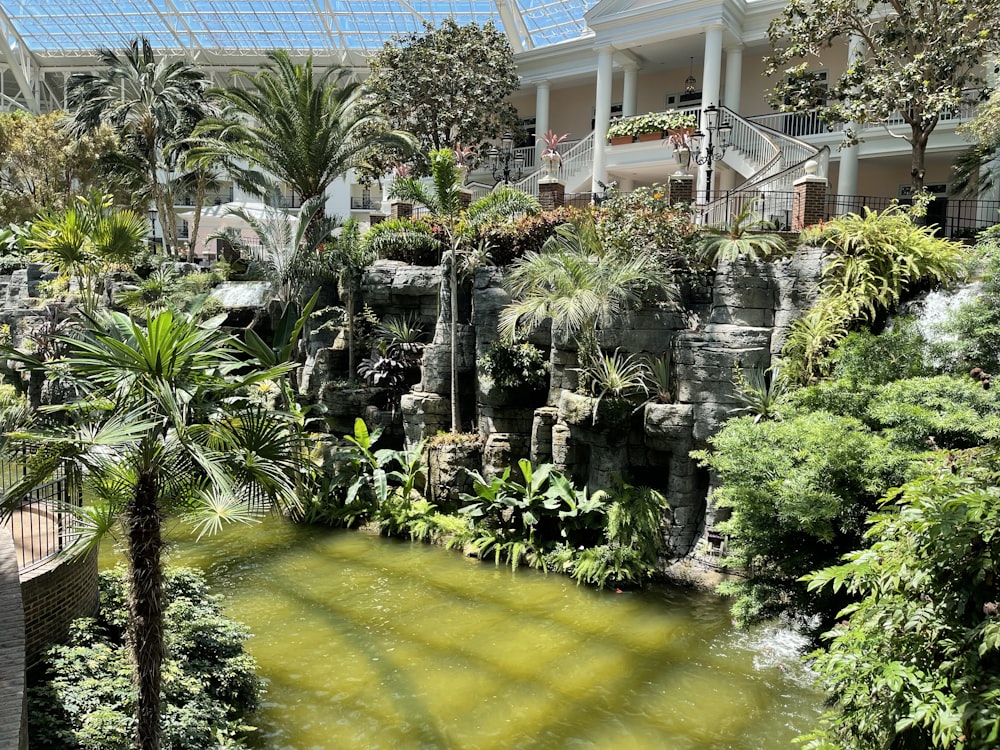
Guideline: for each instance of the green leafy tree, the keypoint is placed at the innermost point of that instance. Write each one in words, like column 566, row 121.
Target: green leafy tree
column 43, row 166
column 162, row 426
column 445, row 200
column 149, row 104
column 915, row 662
column 349, row 256
column 918, row 58
column 447, row 85
column 302, row 128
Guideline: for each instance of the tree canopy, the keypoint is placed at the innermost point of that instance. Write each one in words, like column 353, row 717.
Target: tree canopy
column 917, row 59
column 444, row 85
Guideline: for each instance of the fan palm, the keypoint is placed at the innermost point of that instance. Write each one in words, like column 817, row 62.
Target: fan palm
column 304, row 129
column 79, row 241
column 580, row 286
column 445, row 200
column 162, row 426
column 149, row 104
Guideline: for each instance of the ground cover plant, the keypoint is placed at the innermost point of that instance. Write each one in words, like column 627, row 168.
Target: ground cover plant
column 210, row 689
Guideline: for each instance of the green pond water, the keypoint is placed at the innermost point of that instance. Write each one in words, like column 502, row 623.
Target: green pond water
column 374, row 643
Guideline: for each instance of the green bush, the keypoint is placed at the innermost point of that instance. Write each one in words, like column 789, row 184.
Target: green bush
column 515, row 367
column 799, row 491
column 409, row 240
column 209, row 686
column 642, row 222
column 509, row 241
column 864, row 358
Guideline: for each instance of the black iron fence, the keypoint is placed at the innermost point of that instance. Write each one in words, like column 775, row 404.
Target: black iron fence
column 46, row 520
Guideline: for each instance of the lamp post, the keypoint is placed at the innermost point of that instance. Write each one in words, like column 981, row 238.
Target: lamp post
column 505, row 165
column 152, row 227
column 715, row 130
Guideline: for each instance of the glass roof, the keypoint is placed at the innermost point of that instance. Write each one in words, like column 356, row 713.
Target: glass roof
column 65, row 27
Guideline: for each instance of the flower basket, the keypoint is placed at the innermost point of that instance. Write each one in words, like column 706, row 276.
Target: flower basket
column 620, row 140
column 654, row 136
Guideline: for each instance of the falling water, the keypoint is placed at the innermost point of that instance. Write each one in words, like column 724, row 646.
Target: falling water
column 931, row 311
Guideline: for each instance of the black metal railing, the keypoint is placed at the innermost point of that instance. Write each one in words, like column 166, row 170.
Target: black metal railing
column 46, row 520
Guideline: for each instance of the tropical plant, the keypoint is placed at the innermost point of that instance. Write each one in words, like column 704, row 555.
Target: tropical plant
column 913, row 660
column 87, row 700
column 519, row 521
column 87, row 236
column 644, row 222
column 409, row 240
column 163, row 427
column 761, row 391
column 149, row 104
column 580, row 285
column 741, row 239
column 443, row 197
column 660, row 377
column 431, row 81
column 617, row 377
column 288, row 248
column 350, row 257
column 895, row 354
column 302, row 129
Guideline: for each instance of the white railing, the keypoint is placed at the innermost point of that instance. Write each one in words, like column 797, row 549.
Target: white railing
column 527, row 154
column 799, row 124
column 577, row 160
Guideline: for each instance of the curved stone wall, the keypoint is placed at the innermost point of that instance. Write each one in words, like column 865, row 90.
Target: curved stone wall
column 13, row 732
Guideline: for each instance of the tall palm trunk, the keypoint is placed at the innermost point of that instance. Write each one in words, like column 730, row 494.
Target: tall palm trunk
column 145, row 544
column 199, row 203
column 456, row 414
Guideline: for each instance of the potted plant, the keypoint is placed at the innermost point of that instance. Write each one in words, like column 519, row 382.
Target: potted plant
column 550, row 155
column 680, row 141
column 621, row 132
column 464, row 157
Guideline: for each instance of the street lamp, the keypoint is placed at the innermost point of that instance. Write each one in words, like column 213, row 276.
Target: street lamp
column 152, row 227
column 716, row 130
column 505, row 165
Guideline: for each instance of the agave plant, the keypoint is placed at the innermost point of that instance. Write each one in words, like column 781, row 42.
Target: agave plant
column 616, row 376
column 760, row 391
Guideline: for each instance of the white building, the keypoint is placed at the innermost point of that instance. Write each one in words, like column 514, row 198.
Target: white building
column 581, row 64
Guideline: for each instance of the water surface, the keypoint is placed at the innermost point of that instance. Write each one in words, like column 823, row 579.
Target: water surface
column 375, row 643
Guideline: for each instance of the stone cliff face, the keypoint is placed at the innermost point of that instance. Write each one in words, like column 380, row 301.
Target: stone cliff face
column 735, row 316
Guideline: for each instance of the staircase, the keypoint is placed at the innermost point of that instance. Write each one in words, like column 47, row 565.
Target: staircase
column 577, row 167
column 776, row 161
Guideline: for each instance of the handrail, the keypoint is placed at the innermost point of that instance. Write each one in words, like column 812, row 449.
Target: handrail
column 576, row 160
column 785, row 166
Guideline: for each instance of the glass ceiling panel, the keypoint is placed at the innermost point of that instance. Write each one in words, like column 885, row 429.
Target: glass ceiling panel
column 59, row 27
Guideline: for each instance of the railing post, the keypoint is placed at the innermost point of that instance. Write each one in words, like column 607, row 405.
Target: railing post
column 809, row 199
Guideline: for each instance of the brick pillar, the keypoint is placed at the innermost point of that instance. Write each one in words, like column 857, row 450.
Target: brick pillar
column 809, row 199
column 465, row 199
column 680, row 189
column 551, row 195
column 400, row 210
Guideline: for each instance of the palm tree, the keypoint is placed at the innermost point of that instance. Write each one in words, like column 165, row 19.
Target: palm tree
column 289, row 248
column 149, row 104
column 163, row 425
column 580, row 286
column 444, row 198
column 304, row 130
column 742, row 238
column 80, row 241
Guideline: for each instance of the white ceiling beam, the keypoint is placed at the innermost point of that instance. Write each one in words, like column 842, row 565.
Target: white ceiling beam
column 514, row 26
column 175, row 15
column 20, row 61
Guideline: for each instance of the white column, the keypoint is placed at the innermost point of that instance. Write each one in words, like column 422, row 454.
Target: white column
column 712, row 74
column 847, row 173
column 630, row 90
column 602, row 114
column 541, row 117
column 734, row 77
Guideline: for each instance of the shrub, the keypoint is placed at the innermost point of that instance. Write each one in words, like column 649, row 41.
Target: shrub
column 515, row 367
column 509, row 241
column 209, row 686
column 865, row 358
column 643, row 221
column 413, row 241
column 799, row 491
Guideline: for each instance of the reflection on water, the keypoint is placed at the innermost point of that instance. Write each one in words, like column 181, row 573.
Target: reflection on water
column 374, row 643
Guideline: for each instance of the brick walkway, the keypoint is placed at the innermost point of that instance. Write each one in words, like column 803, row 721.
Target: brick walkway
column 12, row 646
